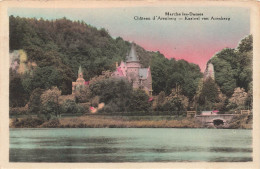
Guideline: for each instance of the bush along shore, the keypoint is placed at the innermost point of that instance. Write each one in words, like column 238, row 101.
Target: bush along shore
column 103, row 121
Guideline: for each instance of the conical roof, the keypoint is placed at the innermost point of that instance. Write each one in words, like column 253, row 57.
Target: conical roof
column 132, row 56
column 80, row 70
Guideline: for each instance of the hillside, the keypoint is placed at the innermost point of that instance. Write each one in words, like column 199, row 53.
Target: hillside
column 48, row 53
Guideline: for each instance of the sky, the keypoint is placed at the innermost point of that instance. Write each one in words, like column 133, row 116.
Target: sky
column 191, row 40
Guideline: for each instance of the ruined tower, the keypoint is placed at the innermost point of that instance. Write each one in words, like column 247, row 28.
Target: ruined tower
column 209, row 72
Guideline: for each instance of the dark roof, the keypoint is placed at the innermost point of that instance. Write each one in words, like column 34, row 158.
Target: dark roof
column 132, row 56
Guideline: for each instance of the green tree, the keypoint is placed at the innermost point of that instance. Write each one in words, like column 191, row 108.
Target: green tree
column 18, row 97
column 209, row 94
column 139, row 101
column 113, row 92
column 246, row 44
column 50, row 102
column 35, row 101
column 45, row 78
column 224, row 75
column 238, row 99
column 70, row 106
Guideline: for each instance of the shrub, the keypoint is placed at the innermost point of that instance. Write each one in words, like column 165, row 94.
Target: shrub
column 139, row 101
column 28, row 122
column 52, row 123
column 70, row 106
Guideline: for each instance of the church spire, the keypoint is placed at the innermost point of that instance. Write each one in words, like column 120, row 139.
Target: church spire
column 80, row 73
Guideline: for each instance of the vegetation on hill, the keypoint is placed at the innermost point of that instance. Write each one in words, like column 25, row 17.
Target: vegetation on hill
column 59, row 47
column 233, row 75
column 45, row 57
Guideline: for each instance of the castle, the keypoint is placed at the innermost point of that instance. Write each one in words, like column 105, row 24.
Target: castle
column 131, row 70
column 141, row 78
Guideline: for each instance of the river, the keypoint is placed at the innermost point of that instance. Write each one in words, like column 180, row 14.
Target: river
column 130, row 145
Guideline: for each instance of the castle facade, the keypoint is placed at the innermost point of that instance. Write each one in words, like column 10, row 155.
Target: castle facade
column 132, row 70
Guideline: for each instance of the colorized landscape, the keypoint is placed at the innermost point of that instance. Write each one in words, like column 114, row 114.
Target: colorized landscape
column 117, row 78
column 80, row 91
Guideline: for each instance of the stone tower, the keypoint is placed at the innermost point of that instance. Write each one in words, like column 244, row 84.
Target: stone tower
column 209, row 72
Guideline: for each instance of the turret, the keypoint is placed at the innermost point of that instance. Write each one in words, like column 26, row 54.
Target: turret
column 80, row 72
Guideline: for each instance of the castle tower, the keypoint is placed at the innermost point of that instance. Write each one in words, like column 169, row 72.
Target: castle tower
column 133, row 66
column 80, row 82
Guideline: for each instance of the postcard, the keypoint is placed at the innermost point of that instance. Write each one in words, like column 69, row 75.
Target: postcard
column 122, row 84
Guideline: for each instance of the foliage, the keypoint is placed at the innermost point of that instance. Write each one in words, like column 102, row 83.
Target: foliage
column 209, row 92
column 51, row 124
column 50, row 102
column 35, row 101
column 246, row 44
column 28, row 122
column 224, row 76
column 56, row 48
column 233, row 67
column 176, row 102
column 238, row 99
column 168, row 74
column 83, row 95
column 241, row 121
column 159, row 101
column 18, row 96
column 64, row 45
column 113, row 92
column 139, row 101
column 70, row 106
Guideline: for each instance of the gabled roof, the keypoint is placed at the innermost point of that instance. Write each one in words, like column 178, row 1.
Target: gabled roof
column 119, row 71
column 132, row 56
column 143, row 72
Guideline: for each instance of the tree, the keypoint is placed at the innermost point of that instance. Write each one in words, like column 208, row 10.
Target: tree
column 238, row 99
column 177, row 101
column 113, row 92
column 83, row 95
column 18, row 96
column 224, row 75
column 70, row 106
column 159, row 101
column 233, row 67
column 209, row 94
column 35, row 101
column 246, row 44
column 50, row 102
column 139, row 101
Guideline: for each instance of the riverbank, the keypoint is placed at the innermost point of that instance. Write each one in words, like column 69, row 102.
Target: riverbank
column 106, row 122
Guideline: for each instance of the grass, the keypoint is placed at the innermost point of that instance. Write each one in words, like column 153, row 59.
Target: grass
column 128, row 122
column 103, row 121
